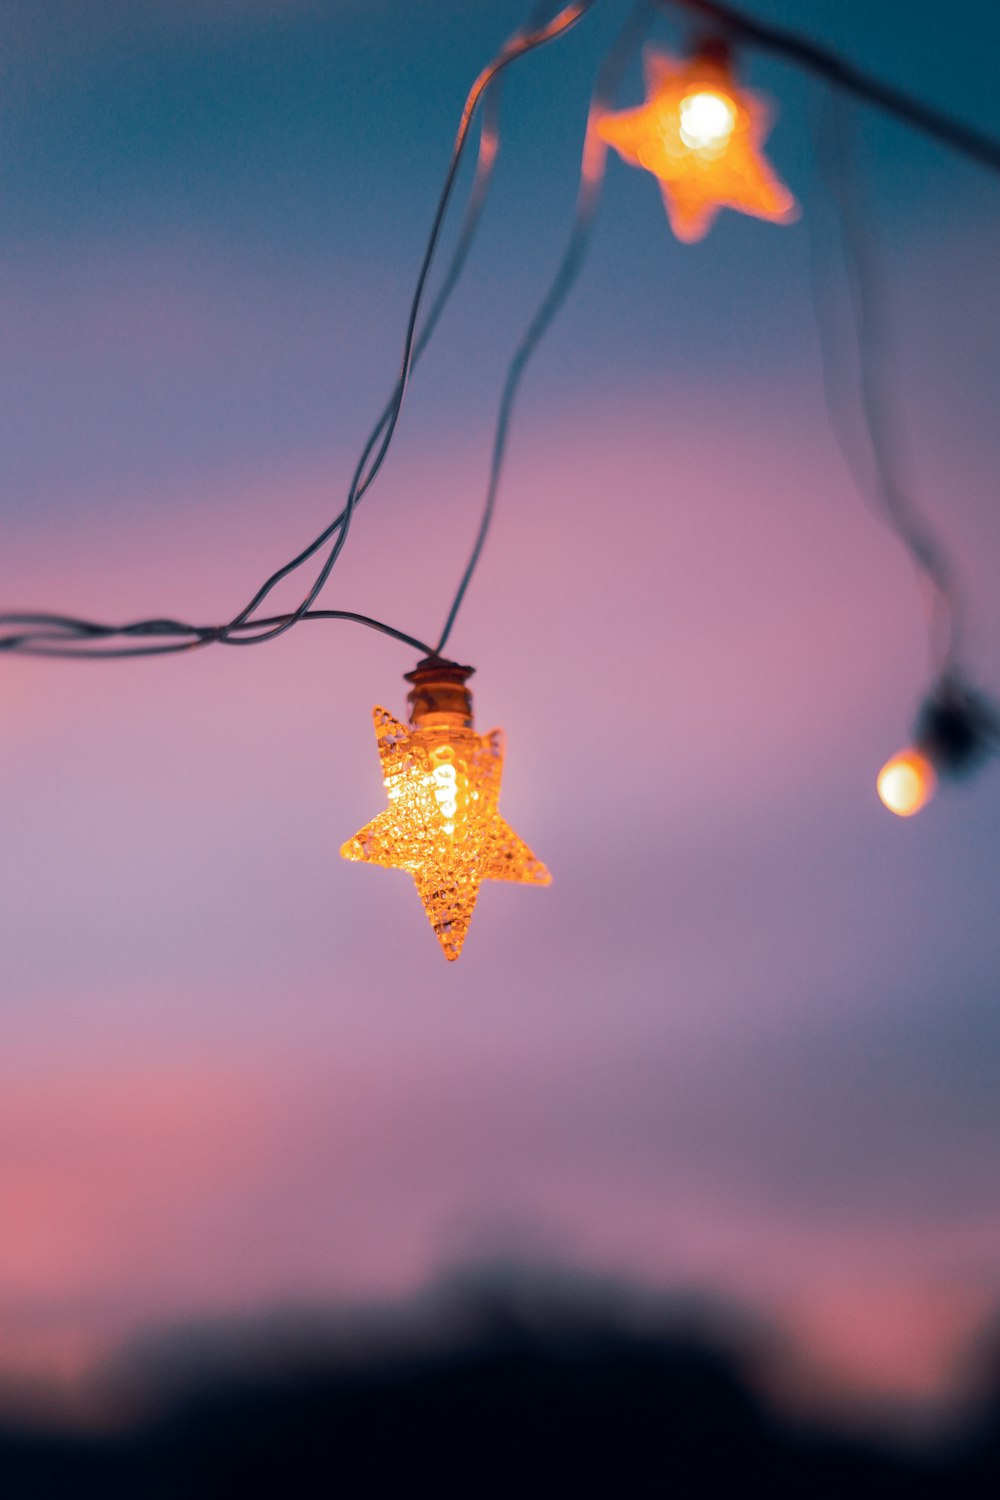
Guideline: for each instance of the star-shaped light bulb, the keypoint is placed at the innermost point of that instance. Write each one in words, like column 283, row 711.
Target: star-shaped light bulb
column 700, row 134
column 956, row 730
column 442, row 824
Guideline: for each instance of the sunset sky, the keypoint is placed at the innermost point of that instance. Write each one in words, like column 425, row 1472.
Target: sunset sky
column 746, row 1046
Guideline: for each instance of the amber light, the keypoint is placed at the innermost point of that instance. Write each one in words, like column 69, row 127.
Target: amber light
column 442, row 824
column 700, row 135
column 906, row 783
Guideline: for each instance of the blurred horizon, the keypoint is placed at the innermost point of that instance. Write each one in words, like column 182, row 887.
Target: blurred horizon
column 512, row 1368
column 469, row 1304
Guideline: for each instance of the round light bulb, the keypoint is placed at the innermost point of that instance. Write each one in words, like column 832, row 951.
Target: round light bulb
column 708, row 120
column 906, row 783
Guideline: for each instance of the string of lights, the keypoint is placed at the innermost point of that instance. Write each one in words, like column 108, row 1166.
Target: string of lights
column 865, row 300
column 62, row 635
column 442, row 779
column 701, row 134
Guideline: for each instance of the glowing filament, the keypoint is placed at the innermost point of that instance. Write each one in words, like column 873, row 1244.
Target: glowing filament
column 906, row 783
column 446, row 784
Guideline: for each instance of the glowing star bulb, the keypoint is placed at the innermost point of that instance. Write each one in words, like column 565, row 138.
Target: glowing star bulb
column 442, row 825
column 701, row 135
column 906, row 783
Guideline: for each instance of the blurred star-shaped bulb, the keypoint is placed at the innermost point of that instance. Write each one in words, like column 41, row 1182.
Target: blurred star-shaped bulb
column 955, row 731
column 701, row 135
column 442, row 824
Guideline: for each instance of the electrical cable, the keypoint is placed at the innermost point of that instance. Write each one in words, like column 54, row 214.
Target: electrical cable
column 56, row 635
column 488, row 150
column 588, row 197
column 884, row 485
column 27, row 645
column 526, row 39
column 518, row 45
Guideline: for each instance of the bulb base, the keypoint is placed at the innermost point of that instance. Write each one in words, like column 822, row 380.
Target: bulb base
column 715, row 54
column 439, row 695
column 955, row 730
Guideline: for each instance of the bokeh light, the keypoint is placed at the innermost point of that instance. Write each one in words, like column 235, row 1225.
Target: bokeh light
column 906, row 783
column 708, row 119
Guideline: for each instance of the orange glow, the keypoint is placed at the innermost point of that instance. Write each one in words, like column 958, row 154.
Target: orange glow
column 906, row 783
column 701, row 136
column 442, row 823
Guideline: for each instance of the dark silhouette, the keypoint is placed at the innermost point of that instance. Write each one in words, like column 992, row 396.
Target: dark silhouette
column 489, row 1394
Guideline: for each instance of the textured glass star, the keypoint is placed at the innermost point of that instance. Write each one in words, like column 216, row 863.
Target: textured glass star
column 700, row 135
column 442, row 823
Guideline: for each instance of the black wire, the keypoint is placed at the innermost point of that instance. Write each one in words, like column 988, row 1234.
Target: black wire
column 844, row 75
column 242, row 630
column 488, row 148
column 588, row 198
column 522, row 42
column 525, row 40
column 868, row 299
column 25, row 643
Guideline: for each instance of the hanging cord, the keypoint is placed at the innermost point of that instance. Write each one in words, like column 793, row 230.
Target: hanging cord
column 34, row 641
column 55, row 627
column 61, row 625
column 489, row 145
column 588, row 197
column 844, row 75
column 523, row 41
column 61, row 635
column 880, row 473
